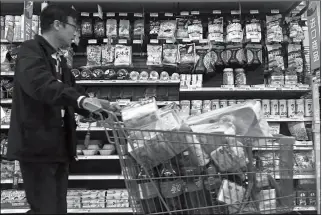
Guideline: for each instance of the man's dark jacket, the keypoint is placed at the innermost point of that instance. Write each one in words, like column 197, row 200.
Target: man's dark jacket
column 38, row 133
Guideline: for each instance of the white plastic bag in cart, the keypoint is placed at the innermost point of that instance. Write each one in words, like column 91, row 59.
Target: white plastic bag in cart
column 215, row 135
column 151, row 148
column 247, row 119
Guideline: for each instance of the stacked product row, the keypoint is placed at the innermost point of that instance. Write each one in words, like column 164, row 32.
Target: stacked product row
column 283, row 108
column 112, row 198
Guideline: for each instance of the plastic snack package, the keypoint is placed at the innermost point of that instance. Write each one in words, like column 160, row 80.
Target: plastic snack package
column 167, row 29
column 274, row 28
column 170, row 54
column 275, row 57
column 253, row 28
column 254, row 54
column 108, row 54
column 86, row 25
column 138, row 30
column 124, row 28
column 298, row 130
column 123, row 55
column 216, row 27
column 234, row 28
column 231, row 194
column 111, row 27
column 187, row 53
column 5, row 65
column 295, row 60
column 304, row 162
column 182, row 28
column 238, row 55
column 154, row 26
column 94, row 54
column 195, row 29
column 154, row 55
column 295, row 31
column 246, row 117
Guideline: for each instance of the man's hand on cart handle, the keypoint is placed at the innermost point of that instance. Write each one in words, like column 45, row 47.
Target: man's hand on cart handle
column 93, row 105
column 106, row 105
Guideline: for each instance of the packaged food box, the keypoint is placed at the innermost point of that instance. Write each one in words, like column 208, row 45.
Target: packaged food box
column 231, row 194
column 301, row 197
column 267, row 201
column 311, row 199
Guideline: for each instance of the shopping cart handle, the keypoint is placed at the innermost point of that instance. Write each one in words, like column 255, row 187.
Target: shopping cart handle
column 92, row 105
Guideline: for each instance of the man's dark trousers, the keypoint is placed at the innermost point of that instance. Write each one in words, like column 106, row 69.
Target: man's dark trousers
column 46, row 186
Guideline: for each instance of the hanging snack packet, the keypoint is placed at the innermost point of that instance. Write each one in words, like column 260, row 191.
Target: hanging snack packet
column 182, row 26
column 234, row 28
column 108, row 54
column 5, row 65
column 274, row 29
column 295, row 60
column 238, row 56
column 123, row 55
column 218, row 49
column 201, row 52
column 254, row 54
column 94, row 54
column 216, row 27
column 195, row 29
column 170, row 54
column 138, row 30
column 275, row 57
column 154, row 25
column 99, row 27
column 253, row 28
column 111, row 25
column 154, row 55
column 187, row 53
column 86, row 25
column 167, row 30
column 124, row 28
column 295, row 31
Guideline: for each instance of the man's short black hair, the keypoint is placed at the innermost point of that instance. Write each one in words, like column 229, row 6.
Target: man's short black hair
column 54, row 12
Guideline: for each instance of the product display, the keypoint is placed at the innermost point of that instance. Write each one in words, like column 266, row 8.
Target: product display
column 220, row 71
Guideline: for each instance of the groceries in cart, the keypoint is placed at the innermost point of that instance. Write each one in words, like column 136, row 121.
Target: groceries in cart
column 205, row 164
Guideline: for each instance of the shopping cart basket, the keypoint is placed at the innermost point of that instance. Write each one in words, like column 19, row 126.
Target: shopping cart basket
column 176, row 172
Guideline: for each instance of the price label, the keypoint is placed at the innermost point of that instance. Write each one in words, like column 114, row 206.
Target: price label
column 122, row 41
column 203, row 41
column 123, row 101
column 122, row 14
column 106, row 40
column 92, row 41
column 84, row 14
column 138, row 15
column 110, row 14
column 154, row 14
column 234, row 12
column 253, row 11
column 216, row 12
column 195, row 12
column 168, row 14
column 186, row 40
column 137, row 41
column 184, row 13
column 275, row 11
column 154, row 41
column 170, row 41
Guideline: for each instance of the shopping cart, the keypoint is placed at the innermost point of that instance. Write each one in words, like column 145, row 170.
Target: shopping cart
column 181, row 172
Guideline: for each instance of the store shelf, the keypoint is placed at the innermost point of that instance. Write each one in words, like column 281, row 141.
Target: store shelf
column 299, row 145
column 304, row 119
column 6, row 41
column 78, row 177
column 9, row 74
column 5, row 127
column 98, row 157
column 6, row 101
column 75, row 210
column 123, row 82
column 250, row 89
column 304, row 208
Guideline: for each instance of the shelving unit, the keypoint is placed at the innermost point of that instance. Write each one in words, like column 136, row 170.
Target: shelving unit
column 246, row 92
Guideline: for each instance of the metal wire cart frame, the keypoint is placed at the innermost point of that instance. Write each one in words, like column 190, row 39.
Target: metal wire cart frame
column 194, row 173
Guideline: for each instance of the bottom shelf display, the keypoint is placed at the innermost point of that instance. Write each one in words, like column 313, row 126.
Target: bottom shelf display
column 82, row 210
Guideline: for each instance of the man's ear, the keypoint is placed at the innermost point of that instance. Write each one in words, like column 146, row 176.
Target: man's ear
column 56, row 25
